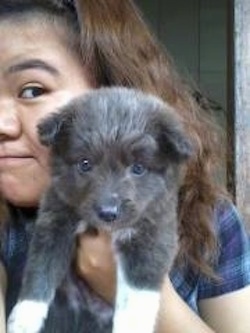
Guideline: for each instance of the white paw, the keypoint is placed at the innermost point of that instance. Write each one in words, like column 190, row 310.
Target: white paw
column 27, row 317
column 135, row 309
column 138, row 313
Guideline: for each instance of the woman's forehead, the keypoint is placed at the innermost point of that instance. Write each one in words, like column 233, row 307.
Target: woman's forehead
column 37, row 21
column 31, row 39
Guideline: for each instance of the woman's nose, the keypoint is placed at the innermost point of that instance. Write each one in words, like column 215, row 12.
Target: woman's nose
column 10, row 125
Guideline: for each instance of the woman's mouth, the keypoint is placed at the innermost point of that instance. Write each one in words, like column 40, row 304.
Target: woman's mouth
column 12, row 160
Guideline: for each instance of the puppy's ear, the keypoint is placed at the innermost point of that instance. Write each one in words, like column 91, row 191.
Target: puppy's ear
column 171, row 137
column 49, row 128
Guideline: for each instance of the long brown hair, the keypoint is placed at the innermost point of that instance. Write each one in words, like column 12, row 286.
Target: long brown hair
column 120, row 50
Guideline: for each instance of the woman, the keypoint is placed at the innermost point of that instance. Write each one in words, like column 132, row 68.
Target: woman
column 45, row 60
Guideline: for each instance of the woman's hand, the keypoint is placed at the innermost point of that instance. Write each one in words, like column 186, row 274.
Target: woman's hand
column 95, row 263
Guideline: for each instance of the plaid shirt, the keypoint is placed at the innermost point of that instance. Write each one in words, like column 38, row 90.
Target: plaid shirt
column 233, row 265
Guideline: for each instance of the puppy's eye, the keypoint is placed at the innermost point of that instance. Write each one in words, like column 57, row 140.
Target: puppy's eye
column 84, row 165
column 138, row 169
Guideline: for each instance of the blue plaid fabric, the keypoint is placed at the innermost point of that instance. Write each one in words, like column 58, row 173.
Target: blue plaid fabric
column 233, row 264
column 14, row 248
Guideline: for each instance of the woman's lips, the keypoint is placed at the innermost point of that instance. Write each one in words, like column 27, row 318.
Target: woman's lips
column 10, row 160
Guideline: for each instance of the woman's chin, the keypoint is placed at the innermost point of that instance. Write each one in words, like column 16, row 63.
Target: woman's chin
column 23, row 195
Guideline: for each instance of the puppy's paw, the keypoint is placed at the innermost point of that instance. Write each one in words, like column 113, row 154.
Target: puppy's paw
column 27, row 317
column 136, row 312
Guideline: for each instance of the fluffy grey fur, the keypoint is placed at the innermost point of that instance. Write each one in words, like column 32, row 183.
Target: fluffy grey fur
column 116, row 157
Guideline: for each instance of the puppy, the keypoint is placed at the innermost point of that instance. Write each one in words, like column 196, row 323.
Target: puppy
column 116, row 165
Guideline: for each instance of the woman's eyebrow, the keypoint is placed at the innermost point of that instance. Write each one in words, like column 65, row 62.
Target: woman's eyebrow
column 32, row 64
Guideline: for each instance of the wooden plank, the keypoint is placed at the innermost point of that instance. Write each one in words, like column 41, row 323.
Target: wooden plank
column 240, row 120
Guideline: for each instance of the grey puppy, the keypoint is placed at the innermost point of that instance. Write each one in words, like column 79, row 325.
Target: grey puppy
column 116, row 165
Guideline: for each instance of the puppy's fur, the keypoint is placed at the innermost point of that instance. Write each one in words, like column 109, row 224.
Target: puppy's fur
column 116, row 161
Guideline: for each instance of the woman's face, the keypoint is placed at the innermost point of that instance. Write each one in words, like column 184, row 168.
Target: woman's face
column 38, row 74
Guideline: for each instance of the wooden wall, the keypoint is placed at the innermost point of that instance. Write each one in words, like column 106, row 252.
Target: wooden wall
column 194, row 32
column 239, row 106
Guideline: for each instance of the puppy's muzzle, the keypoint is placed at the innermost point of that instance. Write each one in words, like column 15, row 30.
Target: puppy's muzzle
column 108, row 210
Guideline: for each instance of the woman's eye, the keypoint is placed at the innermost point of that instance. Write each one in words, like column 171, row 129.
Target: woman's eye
column 32, row 92
column 84, row 165
column 138, row 169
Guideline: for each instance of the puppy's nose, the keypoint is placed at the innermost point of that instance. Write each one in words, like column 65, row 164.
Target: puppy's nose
column 108, row 213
